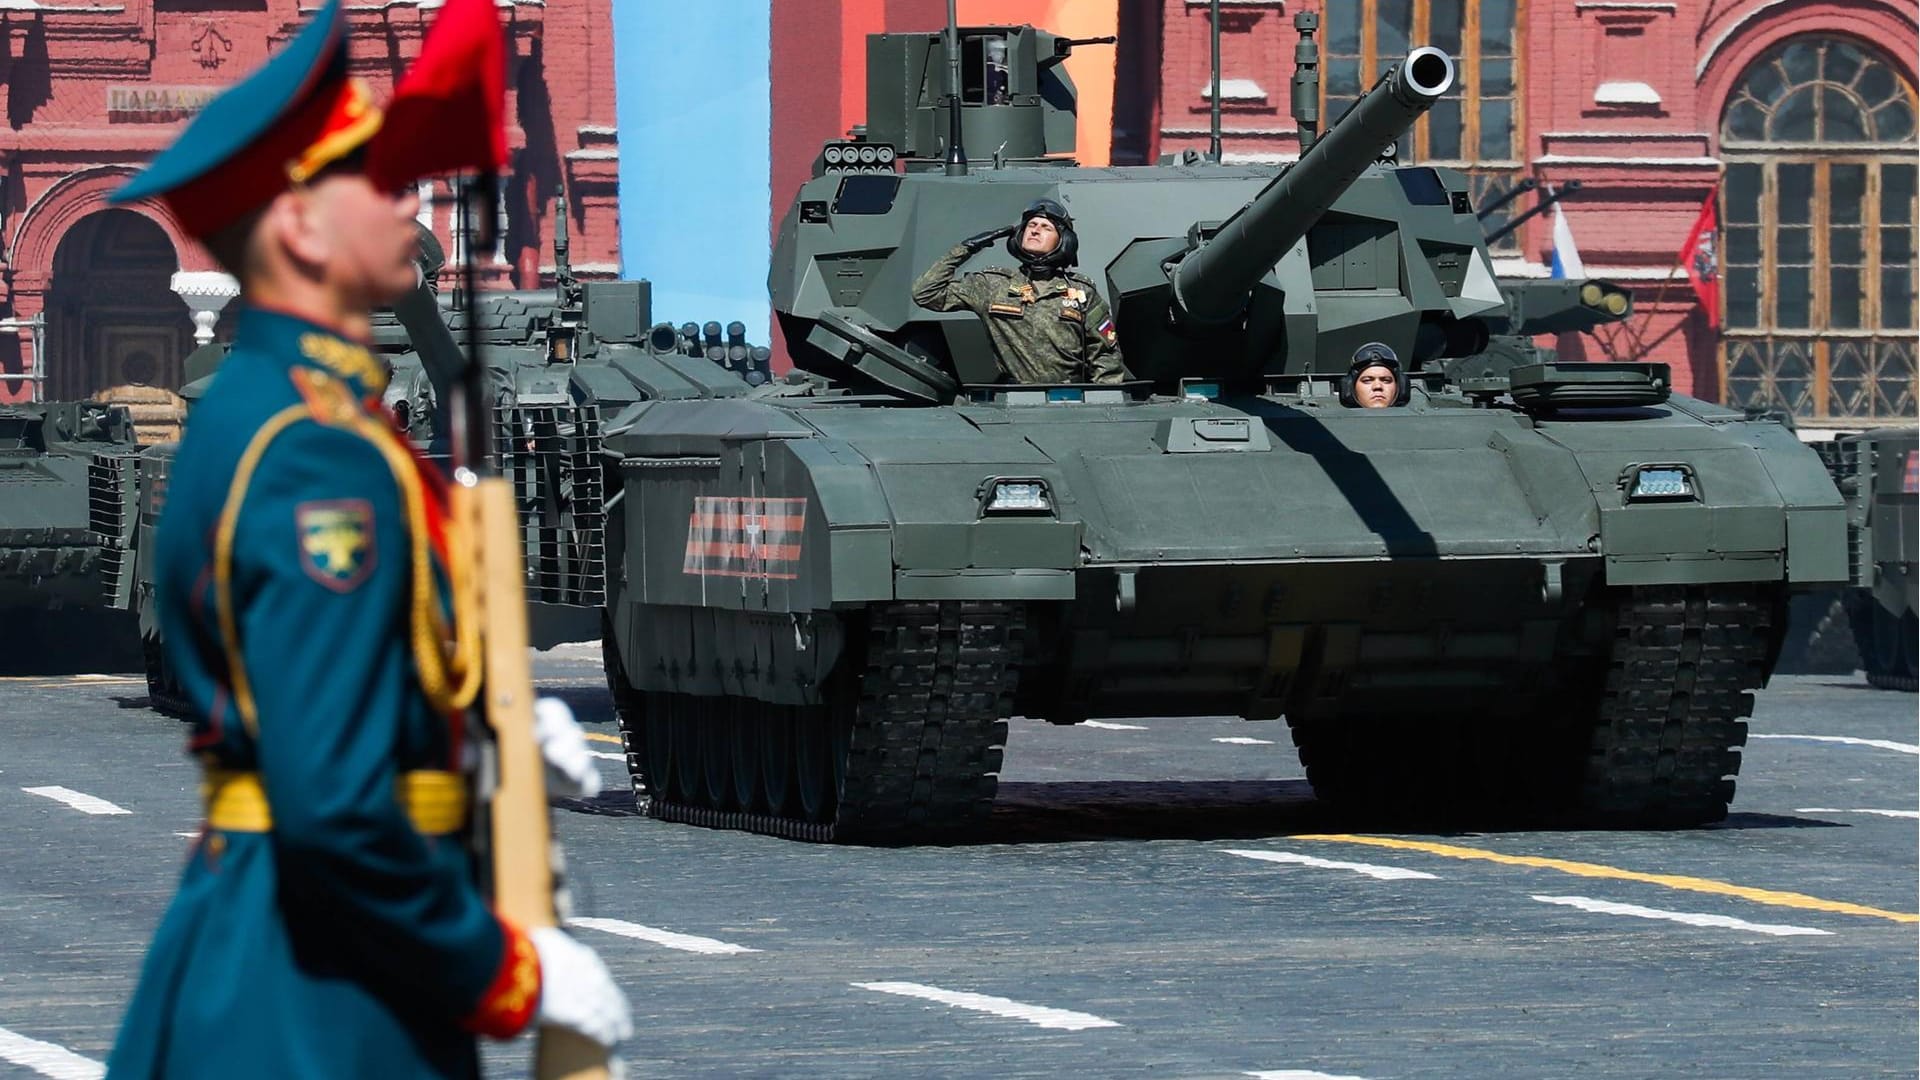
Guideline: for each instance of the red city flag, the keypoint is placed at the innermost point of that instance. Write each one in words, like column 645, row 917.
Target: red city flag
column 1700, row 256
column 449, row 112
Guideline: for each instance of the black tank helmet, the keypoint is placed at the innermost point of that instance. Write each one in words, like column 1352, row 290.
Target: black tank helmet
column 1066, row 253
column 1373, row 354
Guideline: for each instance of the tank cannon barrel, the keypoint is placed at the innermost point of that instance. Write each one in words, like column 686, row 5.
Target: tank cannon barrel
column 1211, row 283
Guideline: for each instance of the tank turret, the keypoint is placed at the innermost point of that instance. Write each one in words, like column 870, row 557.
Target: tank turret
column 1232, row 273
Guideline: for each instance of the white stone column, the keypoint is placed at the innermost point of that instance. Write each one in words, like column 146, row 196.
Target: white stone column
column 205, row 292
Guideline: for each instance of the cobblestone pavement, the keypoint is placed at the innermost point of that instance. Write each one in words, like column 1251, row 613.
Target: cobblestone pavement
column 1159, row 898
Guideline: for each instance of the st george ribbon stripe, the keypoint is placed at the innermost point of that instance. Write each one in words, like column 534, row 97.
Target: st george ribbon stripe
column 86, row 804
column 47, row 1059
column 1037, row 1015
column 745, row 536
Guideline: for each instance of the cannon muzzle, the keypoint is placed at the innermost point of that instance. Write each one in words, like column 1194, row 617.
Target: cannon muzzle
column 1212, row 281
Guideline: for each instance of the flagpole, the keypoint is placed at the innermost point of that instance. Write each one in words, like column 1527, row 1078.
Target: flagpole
column 1679, row 264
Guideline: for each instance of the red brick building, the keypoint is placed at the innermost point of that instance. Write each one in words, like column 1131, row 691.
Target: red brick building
column 1797, row 115
column 93, row 297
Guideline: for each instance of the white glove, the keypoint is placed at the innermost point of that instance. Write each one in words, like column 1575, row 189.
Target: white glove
column 576, row 991
column 571, row 772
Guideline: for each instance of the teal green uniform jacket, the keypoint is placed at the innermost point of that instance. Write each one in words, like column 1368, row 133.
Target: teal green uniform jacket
column 342, row 942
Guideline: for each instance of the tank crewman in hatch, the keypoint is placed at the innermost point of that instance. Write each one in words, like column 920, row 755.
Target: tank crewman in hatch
column 328, row 922
column 1374, row 379
column 1047, row 323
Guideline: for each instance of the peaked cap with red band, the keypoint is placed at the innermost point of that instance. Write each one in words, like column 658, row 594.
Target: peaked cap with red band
column 295, row 116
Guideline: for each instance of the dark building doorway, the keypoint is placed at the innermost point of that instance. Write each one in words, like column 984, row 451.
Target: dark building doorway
column 112, row 317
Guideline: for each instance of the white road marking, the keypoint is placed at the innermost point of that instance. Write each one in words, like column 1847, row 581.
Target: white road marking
column 188, row 835
column 107, row 678
column 1102, row 725
column 1038, row 1015
column 1691, row 918
column 667, row 938
column 1848, row 740
column 47, row 1059
column 1302, row 1074
column 86, row 804
column 604, row 756
column 1883, row 813
column 1383, row 873
column 1242, row 740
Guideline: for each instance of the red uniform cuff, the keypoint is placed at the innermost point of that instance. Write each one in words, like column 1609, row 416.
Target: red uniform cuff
column 510, row 1000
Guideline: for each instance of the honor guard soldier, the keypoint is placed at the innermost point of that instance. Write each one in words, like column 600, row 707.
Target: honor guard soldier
column 1047, row 323
column 328, row 923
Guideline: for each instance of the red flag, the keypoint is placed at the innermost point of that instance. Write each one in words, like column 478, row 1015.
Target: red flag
column 449, row 112
column 1700, row 256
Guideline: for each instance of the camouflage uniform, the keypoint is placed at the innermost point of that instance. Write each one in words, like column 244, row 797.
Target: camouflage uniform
column 1053, row 329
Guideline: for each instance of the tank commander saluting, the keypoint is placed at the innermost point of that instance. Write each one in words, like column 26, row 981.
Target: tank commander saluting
column 1047, row 323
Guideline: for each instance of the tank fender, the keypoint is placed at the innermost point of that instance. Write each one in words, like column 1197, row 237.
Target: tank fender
column 1816, row 512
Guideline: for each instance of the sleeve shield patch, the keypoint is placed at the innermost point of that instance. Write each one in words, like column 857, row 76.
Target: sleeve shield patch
column 336, row 541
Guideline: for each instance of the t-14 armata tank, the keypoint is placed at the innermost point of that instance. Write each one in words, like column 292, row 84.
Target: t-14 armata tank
column 1533, row 588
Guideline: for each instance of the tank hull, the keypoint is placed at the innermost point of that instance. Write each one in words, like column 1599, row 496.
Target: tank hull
column 1445, row 566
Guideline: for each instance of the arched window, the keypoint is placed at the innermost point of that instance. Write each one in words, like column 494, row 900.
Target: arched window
column 1474, row 129
column 1819, row 214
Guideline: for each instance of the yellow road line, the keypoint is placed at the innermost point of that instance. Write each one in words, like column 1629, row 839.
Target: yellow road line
column 596, row 736
column 1598, row 870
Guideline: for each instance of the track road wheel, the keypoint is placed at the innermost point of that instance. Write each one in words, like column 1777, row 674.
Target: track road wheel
column 776, row 757
column 814, row 769
column 748, row 730
column 714, row 716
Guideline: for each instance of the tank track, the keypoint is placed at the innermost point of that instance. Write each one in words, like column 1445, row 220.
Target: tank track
column 1666, row 737
column 912, row 732
column 1885, row 644
column 1886, row 681
column 164, row 693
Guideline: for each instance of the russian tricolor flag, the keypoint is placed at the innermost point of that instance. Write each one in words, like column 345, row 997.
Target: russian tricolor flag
column 1566, row 257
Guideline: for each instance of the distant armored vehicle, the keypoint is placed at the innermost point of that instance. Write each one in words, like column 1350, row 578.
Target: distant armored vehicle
column 559, row 361
column 50, row 560
column 1535, row 588
column 1880, row 473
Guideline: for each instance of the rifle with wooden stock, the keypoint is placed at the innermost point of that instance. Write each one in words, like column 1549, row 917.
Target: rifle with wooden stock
column 447, row 115
column 518, row 837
